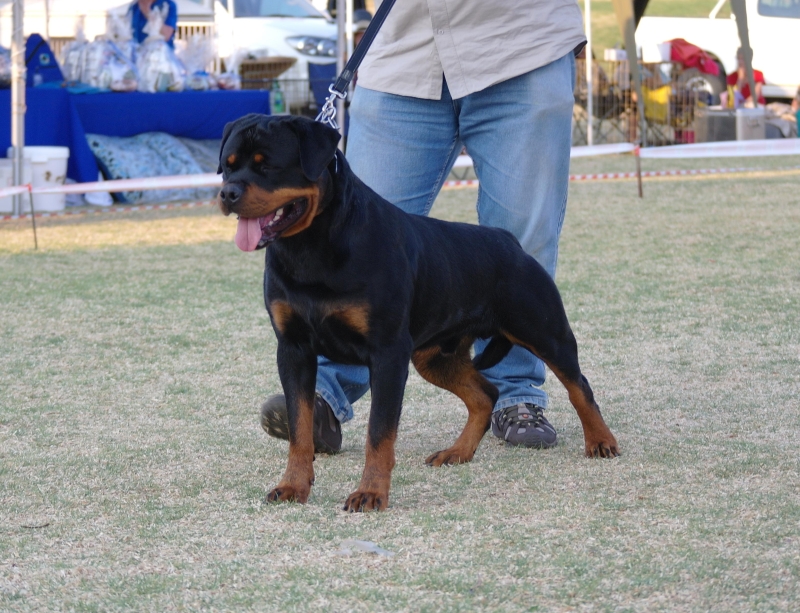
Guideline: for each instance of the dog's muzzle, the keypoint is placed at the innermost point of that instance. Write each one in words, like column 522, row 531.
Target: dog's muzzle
column 258, row 232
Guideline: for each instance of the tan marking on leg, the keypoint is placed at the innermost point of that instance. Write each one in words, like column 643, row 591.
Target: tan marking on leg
column 355, row 317
column 299, row 475
column 373, row 491
column 598, row 439
column 281, row 313
column 599, row 442
column 457, row 374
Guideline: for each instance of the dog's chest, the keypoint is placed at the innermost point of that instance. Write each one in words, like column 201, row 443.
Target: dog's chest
column 336, row 330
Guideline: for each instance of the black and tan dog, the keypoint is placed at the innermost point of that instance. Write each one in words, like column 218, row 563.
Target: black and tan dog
column 352, row 277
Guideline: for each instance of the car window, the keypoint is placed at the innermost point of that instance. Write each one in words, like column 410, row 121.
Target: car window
column 275, row 8
column 779, row 8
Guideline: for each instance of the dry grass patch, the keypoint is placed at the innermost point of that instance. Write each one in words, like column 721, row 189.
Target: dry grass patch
column 131, row 375
column 118, row 229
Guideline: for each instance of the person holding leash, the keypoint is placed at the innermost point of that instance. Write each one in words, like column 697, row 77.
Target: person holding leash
column 495, row 77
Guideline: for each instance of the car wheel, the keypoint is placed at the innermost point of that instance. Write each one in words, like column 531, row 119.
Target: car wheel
column 696, row 81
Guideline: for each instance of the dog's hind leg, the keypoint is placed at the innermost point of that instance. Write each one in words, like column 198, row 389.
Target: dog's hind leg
column 543, row 329
column 560, row 353
column 456, row 373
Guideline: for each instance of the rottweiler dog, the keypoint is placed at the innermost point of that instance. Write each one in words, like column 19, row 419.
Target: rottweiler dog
column 351, row 277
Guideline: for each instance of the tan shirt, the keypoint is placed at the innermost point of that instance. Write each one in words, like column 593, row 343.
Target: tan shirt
column 473, row 43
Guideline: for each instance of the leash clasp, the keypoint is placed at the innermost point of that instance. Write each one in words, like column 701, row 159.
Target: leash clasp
column 328, row 113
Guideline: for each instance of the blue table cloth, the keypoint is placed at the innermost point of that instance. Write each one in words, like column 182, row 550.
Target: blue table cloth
column 56, row 117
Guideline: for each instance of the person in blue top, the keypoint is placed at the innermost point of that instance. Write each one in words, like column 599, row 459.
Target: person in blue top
column 140, row 11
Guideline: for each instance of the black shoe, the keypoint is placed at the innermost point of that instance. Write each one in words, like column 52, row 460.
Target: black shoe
column 327, row 429
column 524, row 425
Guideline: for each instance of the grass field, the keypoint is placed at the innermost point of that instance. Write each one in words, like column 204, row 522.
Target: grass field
column 135, row 352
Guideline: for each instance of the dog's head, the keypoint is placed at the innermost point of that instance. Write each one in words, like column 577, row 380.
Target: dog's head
column 272, row 169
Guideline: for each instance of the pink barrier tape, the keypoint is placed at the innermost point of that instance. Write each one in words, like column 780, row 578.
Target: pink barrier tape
column 632, row 175
column 461, row 183
column 659, row 173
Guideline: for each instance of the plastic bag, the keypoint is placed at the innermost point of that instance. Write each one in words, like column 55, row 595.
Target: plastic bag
column 93, row 57
column 201, row 81
column 118, row 27
column 118, row 73
column 197, row 54
column 229, row 80
column 159, row 68
column 5, row 67
column 71, row 59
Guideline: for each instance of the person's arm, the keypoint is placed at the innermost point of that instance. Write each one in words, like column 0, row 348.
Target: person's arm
column 170, row 22
column 758, row 90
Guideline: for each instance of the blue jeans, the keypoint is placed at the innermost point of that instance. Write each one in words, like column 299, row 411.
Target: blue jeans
column 518, row 133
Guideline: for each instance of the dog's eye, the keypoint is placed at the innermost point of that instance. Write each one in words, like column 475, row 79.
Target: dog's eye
column 261, row 161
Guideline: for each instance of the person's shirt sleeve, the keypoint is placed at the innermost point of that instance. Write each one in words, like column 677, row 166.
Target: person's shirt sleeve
column 172, row 16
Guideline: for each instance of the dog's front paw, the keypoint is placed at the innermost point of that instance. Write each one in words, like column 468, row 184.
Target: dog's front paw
column 449, row 456
column 288, row 493
column 361, row 501
column 607, row 448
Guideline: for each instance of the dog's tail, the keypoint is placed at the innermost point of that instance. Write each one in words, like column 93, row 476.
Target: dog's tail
column 496, row 350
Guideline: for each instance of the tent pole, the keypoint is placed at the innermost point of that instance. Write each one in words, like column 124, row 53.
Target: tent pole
column 18, row 96
column 589, row 83
column 739, row 9
column 47, row 21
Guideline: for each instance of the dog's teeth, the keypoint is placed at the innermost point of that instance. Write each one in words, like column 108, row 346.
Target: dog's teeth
column 278, row 214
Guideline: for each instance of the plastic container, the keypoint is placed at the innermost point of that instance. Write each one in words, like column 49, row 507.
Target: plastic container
column 7, row 180
column 714, row 124
column 48, row 168
column 751, row 124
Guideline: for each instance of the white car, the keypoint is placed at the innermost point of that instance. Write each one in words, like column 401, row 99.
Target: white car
column 774, row 27
column 288, row 28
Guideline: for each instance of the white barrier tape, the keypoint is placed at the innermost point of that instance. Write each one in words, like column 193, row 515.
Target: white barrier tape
column 613, row 148
column 465, row 161
column 733, row 148
column 113, row 209
column 753, row 148
column 13, row 190
column 127, row 185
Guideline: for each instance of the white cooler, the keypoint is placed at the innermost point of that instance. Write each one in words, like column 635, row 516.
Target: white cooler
column 42, row 167
column 751, row 124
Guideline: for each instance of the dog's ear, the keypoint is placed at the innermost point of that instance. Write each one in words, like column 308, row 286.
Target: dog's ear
column 317, row 146
column 247, row 120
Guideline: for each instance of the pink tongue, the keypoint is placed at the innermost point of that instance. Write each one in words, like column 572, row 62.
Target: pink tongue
column 248, row 233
